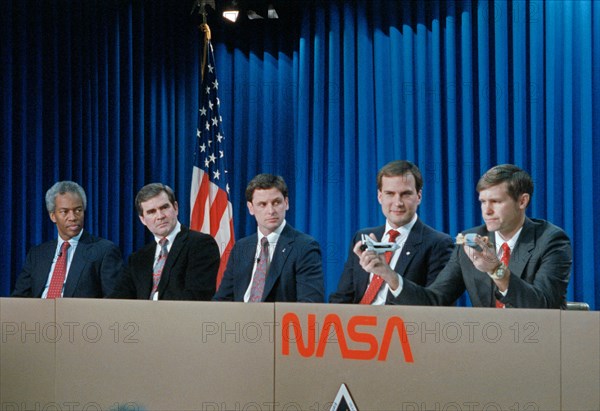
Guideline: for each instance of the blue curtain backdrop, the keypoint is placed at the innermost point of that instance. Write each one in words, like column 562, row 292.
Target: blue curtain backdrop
column 105, row 93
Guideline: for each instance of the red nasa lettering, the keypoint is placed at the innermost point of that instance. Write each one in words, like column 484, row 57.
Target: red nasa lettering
column 333, row 324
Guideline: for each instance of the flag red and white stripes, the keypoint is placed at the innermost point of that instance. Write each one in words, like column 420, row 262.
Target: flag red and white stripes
column 211, row 210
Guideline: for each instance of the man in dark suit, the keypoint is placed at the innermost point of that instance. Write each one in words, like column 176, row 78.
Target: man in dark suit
column 179, row 265
column 423, row 251
column 90, row 265
column 522, row 262
column 278, row 263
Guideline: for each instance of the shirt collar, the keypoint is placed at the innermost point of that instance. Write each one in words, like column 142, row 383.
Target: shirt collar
column 274, row 236
column 511, row 243
column 73, row 241
column 404, row 230
column 171, row 236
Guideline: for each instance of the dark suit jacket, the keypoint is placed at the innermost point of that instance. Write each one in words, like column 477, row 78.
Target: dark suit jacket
column 423, row 256
column 189, row 273
column 93, row 272
column 295, row 274
column 540, row 266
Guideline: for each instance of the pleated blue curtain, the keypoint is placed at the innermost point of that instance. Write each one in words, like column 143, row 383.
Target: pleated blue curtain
column 456, row 87
column 106, row 92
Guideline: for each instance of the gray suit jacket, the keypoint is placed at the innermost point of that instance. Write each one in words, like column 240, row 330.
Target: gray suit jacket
column 540, row 267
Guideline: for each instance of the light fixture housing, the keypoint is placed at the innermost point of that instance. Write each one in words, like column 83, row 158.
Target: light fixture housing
column 231, row 15
column 272, row 13
column 252, row 15
column 236, row 10
column 231, row 11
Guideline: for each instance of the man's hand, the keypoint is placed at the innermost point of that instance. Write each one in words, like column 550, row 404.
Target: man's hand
column 487, row 261
column 375, row 263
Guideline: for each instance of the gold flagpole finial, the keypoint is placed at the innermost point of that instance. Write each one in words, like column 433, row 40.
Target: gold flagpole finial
column 206, row 30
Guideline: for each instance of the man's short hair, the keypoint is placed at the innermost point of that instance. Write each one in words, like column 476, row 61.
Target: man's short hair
column 264, row 182
column 400, row 168
column 63, row 187
column 517, row 180
column 150, row 191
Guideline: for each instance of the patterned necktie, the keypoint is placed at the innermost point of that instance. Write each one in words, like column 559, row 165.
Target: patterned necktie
column 158, row 267
column 377, row 281
column 258, row 283
column 504, row 259
column 59, row 274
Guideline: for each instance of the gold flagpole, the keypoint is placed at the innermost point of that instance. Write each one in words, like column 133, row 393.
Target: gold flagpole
column 204, row 28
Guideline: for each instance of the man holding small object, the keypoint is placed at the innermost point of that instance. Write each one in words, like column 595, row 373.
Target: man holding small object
column 408, row 248
column 510, row 261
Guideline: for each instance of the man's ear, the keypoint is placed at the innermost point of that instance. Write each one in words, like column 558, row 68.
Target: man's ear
column 524, row 201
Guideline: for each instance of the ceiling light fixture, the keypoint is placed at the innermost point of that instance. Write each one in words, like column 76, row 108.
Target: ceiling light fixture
column 272, row 13
column 231, row 12
column 252, row 15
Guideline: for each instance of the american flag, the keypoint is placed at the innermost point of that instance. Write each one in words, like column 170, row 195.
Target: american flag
column 211, row 210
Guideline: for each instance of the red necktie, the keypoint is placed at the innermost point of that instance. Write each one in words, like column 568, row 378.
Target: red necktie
column 377, row 281
column 59, row 274
column 504, row 260
column 158, row 267
column 258, row 283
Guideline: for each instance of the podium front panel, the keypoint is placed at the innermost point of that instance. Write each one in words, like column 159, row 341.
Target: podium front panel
column 417, row 358
column 28, row 334
column 580, row 360
column 163, row 355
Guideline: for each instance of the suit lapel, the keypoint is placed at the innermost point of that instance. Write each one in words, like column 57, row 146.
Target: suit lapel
column 42, row 273
column 410, row 248
column 523, row 249
column 247, row 264
column 77, row 264
column 144, row 273
column 174, row 252
column 280, row 254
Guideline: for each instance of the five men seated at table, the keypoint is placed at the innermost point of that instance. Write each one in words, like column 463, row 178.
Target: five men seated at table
column 517, row 262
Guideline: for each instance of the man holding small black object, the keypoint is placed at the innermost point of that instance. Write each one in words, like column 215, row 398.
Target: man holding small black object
column 523, row 262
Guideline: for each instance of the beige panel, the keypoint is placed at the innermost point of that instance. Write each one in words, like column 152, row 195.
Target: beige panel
column 162, row 355
column 27, row 335
column 580, row 360
column 463, row 358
